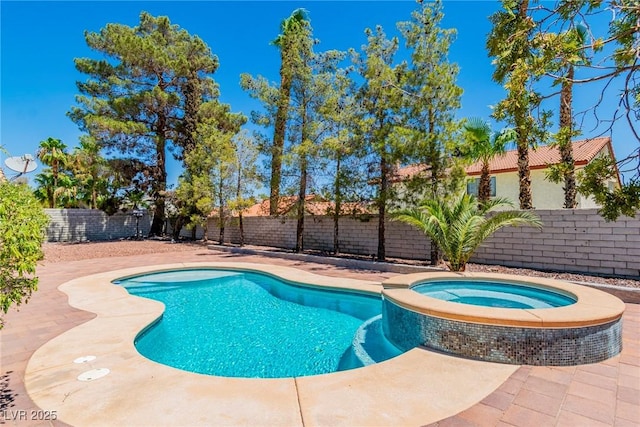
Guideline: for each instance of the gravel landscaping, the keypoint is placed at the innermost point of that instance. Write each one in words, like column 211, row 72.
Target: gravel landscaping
column 57, row 252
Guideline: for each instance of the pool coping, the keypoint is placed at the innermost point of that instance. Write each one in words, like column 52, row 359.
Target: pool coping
column 593, row 307
column 415, row 388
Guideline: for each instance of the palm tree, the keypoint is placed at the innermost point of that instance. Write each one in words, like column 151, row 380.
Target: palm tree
column 483, row 146
column 52, row 153
column 89, row 169
column 574, row 38
column 292, row 29
column 67, row 192
column 460, row 226
column 45, row 188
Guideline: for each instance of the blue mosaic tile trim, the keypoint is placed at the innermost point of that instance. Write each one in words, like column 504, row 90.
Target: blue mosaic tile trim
column 503, row 344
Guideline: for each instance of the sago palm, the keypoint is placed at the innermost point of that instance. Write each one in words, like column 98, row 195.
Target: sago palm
column 460, row 226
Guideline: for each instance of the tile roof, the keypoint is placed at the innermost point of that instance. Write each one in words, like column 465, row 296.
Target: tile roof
column 313, row 206
column 583, row 152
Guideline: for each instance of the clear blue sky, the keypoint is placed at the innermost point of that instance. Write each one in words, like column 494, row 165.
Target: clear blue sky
column 39, row 41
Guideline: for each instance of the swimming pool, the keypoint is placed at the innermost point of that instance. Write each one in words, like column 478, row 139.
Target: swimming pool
column 246, row 324
column 494, row 294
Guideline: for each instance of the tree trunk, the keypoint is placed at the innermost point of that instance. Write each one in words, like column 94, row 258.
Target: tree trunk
column 160, row 184
column 434, row 157
column 157, row 225
column 94, row 197
column 565, row 147
column 382, row 206
column 302, row 194
column 205, row 231
column 337, row 208
column 279, row 134
column 522, row 128
column 221, row 213
column 192, row 102
column 484, row 186
column 175, row 234
column 54, row 172
column 238, row 194
column 241, row 225
column 524, row 176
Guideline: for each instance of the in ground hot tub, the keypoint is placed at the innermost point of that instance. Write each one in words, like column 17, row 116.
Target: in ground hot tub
column 493, row 293
column 502, row 318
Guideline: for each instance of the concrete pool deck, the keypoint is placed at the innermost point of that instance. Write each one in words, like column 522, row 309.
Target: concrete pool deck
column 599, row 394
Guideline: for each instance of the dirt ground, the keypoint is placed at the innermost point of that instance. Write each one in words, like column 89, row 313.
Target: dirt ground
column 57, row 252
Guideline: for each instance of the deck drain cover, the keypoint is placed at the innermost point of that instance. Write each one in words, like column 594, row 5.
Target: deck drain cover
column 84, row 359
column 93, row 374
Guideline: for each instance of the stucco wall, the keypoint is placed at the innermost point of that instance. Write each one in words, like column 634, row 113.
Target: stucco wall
column 545, row 194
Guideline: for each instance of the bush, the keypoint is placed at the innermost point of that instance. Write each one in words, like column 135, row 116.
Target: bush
column 22, row 232
column 459, row 226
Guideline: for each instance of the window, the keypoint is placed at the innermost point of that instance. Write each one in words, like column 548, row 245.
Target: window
column 472, row 186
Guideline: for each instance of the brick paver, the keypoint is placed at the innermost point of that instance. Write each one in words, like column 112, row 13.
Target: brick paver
column 606, row 393
column 599, row 394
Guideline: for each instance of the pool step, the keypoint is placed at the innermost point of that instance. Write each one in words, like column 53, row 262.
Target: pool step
column 369, row 346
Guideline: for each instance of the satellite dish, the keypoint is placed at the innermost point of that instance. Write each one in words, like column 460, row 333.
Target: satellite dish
column 21, row 164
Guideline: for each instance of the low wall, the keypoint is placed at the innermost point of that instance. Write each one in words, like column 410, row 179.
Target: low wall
column 577, row 240
column 573, row 240
column 356, row 236
column 72, row 225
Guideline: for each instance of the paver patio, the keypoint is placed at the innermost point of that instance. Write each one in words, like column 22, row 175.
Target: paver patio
column 606, row 393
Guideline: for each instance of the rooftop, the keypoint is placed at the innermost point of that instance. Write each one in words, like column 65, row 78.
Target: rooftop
column 584, row 151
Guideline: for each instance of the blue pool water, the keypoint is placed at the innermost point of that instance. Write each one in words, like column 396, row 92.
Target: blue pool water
column 493, row 294
column 244, row 324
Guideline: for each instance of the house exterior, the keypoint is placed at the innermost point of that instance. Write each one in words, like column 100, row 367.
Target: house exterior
column 545, row 194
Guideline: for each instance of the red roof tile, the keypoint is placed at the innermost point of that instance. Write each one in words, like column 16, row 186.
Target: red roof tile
column 583, row 152
column 313, row 206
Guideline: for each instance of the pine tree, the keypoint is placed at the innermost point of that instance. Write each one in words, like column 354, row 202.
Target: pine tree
column 294, row 46
column 379, row 114
column 432, row 98
column 133, row 101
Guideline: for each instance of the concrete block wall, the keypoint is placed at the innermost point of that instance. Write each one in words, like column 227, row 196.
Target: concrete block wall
column 572, row 240
column 279, row 232
column 357, row 236
column 578, row 241
column 72, row 225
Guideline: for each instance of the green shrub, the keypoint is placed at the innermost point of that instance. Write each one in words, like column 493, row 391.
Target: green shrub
column 22, row 232
column 459, row 226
